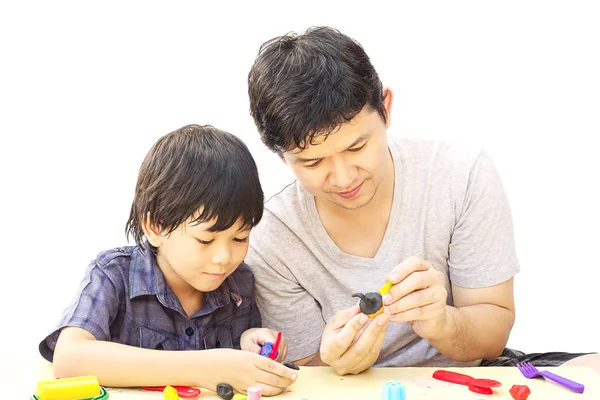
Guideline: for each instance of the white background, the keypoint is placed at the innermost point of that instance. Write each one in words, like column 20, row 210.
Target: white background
column 86, row 88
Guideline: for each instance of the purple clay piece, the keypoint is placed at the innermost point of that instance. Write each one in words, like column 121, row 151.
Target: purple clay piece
column 265, row 349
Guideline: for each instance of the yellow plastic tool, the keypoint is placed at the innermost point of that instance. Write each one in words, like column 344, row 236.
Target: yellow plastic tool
column 170, row 393
column 386, row 288
column 76, row 388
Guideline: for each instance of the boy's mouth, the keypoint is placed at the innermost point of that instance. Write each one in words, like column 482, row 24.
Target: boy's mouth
column 215, row 276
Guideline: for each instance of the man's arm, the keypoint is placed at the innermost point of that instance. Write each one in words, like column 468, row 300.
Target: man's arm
column 476, row 327
column 479, row 324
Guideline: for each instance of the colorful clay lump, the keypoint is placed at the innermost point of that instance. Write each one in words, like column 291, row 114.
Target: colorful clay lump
column 371, row 303
column 76, row 388
column 291, row 365
column 393, row 390
column 519, row 392
column 254, row 393
column 225, row 391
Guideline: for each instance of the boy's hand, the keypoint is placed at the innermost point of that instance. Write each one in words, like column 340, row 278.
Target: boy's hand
column 242, row 369
column 254, row 338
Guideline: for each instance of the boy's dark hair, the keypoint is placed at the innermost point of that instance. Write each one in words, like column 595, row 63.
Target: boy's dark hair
column 191, row 168
column 304, row 86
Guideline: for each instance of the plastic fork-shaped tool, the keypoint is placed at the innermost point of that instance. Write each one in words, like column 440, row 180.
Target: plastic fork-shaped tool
column 529, row 371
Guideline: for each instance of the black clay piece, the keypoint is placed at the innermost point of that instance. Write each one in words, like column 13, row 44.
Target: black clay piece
column 291, row 365
column 225, row 391
column 370, row 302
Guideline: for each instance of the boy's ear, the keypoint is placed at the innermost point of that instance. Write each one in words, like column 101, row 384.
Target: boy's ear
column 387, row 104
column 153, row 233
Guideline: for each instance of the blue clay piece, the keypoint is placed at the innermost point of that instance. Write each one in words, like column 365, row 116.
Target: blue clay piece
column 393, row 390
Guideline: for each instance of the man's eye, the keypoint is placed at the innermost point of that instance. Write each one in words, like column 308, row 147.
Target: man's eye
column 314, row 164
column 357, row 149
column 204, row 241
column 241, row 240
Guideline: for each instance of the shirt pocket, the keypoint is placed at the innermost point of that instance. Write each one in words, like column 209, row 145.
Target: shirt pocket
column 157, row 340
column 218, row 337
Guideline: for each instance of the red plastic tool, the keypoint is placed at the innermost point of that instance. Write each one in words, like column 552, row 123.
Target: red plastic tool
column 185, row 392
column 481, row 386
column 275, row 347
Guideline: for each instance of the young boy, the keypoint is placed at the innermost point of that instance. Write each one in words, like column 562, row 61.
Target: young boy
column 184, row 286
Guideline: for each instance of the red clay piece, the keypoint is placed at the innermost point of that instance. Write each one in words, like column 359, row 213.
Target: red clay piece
column 519, row 392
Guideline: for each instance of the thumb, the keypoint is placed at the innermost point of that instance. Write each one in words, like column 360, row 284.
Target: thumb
column 341, row 318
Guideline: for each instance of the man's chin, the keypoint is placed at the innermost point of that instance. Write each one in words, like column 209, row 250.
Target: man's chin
column 352, row 204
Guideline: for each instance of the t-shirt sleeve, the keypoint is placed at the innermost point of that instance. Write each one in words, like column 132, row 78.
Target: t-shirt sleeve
column 482, row 248
column 286, row 306
column 94, row 308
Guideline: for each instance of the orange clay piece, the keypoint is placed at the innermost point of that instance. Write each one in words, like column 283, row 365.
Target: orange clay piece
column 382, row 290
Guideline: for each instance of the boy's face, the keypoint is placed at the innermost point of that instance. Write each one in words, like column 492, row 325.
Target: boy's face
column 348, row 166
column 193, row 257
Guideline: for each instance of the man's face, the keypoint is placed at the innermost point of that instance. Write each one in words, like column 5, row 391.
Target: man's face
column 348, row 166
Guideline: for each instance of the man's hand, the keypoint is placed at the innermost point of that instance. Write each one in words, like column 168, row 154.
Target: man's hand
column 253, row 339
column 418, row 296
column 351, row 345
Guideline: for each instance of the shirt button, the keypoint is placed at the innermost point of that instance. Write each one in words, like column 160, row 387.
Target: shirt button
column 189, row 331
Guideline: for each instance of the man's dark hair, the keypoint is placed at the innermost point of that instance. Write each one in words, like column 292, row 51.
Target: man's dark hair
column 304, row 86
column 196, row 168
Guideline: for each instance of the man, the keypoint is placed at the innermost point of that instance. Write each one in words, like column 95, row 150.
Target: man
column 431, row 218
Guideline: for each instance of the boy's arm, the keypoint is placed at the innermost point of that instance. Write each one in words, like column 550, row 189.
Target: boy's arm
column 78, row 353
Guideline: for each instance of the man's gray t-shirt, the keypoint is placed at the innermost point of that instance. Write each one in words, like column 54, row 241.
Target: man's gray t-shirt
column 449, row 207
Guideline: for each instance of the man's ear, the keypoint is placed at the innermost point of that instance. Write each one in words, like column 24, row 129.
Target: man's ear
column 387, row 105
column 153, row 232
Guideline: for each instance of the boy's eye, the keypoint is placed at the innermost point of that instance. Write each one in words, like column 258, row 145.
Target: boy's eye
column 314, row 164
column 204, row 241
column 357, row 149
column 241, row 240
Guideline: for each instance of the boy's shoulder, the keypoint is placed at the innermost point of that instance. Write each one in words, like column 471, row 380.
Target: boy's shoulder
column 114, row 256
column 115, row 263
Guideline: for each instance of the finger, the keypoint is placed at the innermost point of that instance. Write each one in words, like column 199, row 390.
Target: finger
column 419, row 313
column 406, row 267
column 282, row 350
column 341, row 318
column 264, row 335
column 345, row 337
column 254, row 348
column 266, row 390
column 415, row 281
column 276, row 374
column 418, row 298
column 361, row 347
column 369, row 359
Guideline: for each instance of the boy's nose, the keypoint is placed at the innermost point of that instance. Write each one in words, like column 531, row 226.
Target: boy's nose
column 221, row 255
